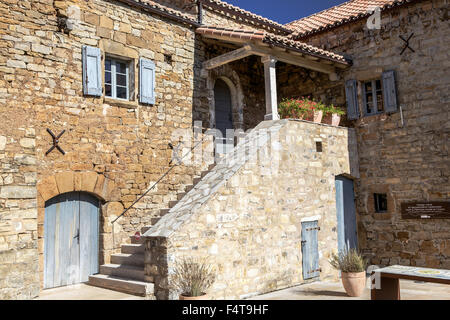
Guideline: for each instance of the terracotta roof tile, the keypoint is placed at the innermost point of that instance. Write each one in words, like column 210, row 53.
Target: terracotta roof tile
column 348, row 11
column 270, row 38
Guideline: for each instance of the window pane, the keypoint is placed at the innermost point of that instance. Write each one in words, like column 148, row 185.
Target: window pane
column 121, row 92
column 107, row 77
column 121, row 80
column 121, row 67
column 380, row 104
column 108, row 92
column 108, row 64
column 369, row 102
column 378, row 84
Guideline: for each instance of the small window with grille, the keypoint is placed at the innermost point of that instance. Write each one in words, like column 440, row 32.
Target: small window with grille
column 380, row 202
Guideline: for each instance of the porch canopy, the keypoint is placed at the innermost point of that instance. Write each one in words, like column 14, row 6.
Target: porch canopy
column 272, row 48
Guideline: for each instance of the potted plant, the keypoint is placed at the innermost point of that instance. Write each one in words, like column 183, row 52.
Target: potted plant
column 334, row 114
column 301, row 108
column 192, row 278
column 353, row 271
column 292, row 109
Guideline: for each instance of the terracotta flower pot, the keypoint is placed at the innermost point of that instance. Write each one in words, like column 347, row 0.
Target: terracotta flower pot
column 354, row 283
column 202, row 297
column 318, row 116
column 335, row 119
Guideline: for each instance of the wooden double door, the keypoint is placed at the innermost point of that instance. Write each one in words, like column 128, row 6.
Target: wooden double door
column 71, row 239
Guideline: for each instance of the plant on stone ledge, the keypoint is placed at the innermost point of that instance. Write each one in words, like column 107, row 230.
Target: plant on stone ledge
column 193, row 277
column 299, row 108
column 331, row 109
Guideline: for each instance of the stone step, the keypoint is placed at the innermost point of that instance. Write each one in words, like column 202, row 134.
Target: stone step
column 124, row 271
column 197, row 180
column 134, row 259
column 163, row 212
column 155, row 221
column 180, row 196
column 144, row 229
column 132, row 248
column 172, row 203
column 189, row 188
column 211, row 166
column 135, row 287
column 204, row 173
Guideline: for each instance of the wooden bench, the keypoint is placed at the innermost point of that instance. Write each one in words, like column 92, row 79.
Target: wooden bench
column 389, row 279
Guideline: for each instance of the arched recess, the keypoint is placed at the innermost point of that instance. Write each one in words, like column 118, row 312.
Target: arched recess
column 231, row 78
column 92, row 183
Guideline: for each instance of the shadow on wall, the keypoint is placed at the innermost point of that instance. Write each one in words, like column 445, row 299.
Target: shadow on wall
column 245, row 78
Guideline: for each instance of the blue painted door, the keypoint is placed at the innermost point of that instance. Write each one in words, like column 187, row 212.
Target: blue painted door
column 346, row 214
column 71, row 229
column 223, row 115
column 310, row 249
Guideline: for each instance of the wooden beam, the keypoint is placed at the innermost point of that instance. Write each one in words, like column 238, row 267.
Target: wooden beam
column 290, row 59
column 228, row 57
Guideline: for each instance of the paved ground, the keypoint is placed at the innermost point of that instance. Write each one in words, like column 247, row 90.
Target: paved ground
column 409, row 290
column 84, row 292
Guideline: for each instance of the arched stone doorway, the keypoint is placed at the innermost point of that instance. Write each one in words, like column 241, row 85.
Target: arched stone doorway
column 71, row 239
column 91, row 183
column 223, row 116
column 228, row 76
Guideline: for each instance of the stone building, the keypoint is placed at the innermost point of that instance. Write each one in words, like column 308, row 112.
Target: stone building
column 92, row 94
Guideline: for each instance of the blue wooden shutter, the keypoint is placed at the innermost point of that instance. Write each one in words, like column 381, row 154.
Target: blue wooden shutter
column 146, row 81
column 92, row 71
column 389, row 91
column 351, row 94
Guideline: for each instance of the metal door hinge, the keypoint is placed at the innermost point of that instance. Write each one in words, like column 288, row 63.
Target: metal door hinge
column 314, row 271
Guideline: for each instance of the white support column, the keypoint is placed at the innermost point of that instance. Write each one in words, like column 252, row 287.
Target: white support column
column 270, row 78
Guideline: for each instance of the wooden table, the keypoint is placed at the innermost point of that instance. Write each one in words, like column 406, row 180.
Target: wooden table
column 389, row 279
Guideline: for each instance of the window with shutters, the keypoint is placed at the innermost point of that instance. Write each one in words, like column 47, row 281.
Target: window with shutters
column 373, row 97
column 117, row 78
column 377, row 95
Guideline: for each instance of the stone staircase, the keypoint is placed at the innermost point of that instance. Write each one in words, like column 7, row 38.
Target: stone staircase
column 125, row 273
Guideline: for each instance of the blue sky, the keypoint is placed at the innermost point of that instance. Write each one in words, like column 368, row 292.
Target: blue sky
column 284, row 11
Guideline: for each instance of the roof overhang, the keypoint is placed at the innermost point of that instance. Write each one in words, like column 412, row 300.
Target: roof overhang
column 265, row 44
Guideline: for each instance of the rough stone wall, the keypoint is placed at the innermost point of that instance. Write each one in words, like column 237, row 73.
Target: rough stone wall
column 19, row 278
column 105, row 140
column 246, row 214
column 114, row 149
column 409, row 160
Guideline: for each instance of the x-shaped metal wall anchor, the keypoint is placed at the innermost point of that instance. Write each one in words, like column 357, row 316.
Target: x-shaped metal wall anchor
column 55, row 142
column 175, row 155
column 406, row 43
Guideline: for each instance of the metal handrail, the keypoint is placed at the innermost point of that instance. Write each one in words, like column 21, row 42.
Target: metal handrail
column 162, row 177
